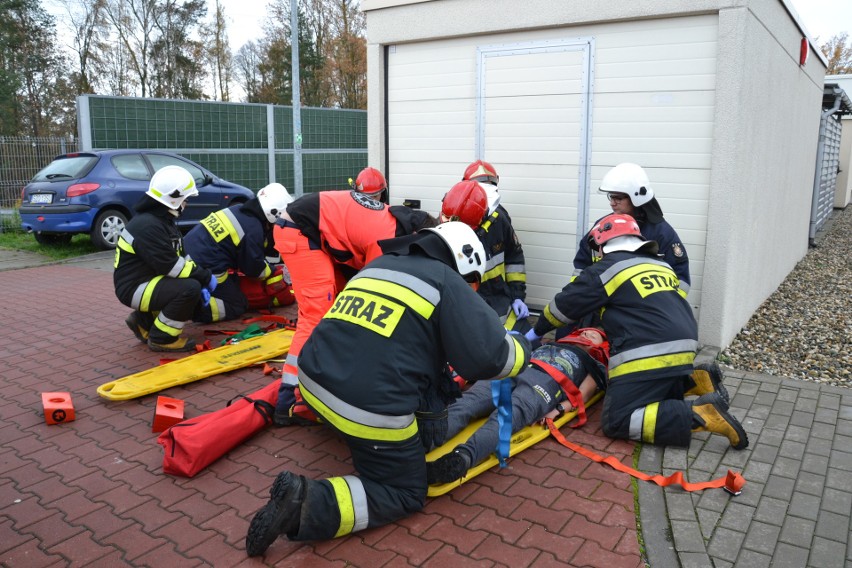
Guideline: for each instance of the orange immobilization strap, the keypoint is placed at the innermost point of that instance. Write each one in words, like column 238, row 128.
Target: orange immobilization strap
column 732, row 483
column 571, row 390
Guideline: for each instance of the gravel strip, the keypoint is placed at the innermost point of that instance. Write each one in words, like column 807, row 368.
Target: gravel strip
column 804, row 329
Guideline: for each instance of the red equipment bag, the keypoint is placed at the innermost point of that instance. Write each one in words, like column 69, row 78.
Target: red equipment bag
column 273, row 292
column 193, row 444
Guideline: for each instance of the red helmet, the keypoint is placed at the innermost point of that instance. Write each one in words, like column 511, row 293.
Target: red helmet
column 598, row 351
column 370, row 182
column 482, row 172
column 465, row 202
column 612, row 226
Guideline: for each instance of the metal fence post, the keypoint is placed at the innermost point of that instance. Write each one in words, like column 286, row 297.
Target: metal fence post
column 270, row 141
column 297, row 98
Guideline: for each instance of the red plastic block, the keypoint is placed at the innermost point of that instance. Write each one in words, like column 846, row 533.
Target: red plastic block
column 57, row 407
column 168, row 413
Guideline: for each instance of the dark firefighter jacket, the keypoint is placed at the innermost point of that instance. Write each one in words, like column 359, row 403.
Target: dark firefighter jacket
column 348, row 224
column 233, row 238
column 389, row 335
column 150, row 246
column 671, row 250
column 652, row 332
column 505, row 277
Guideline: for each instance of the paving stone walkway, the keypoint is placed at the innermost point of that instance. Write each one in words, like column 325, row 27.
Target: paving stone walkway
column 92, row 492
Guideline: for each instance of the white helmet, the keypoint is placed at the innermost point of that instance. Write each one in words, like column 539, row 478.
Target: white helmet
column 631, row 180
column 171, row 186
column 273, row 199
column 468, row 252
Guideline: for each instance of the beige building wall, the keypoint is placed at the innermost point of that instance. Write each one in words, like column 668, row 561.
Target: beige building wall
column 843, row 193
column 764, row 129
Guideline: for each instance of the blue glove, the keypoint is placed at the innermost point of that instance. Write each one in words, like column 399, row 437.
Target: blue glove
column 532, row 336
column 205, row 297
column 213, row 283
column 520, row 308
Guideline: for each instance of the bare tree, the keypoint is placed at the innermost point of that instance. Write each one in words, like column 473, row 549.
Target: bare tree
column 87, row 22
column 176, row 68
column 247, row 70
column 348, row 56
column 838, row 51
column 219, row 53
column 134, row 21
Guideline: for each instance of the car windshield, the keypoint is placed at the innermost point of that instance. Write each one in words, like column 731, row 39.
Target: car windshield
column 66, row 168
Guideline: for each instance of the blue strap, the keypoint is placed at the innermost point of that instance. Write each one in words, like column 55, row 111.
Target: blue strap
column 501, row 394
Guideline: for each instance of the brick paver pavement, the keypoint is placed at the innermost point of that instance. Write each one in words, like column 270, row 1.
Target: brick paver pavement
column 92, row 492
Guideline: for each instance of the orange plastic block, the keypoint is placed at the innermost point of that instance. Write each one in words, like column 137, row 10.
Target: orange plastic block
column 168, row 413
column 57, row 407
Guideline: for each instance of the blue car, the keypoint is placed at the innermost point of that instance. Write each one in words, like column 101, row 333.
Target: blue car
column 94, row 192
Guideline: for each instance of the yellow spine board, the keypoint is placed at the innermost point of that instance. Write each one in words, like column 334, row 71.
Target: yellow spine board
column 521, row 440
column 199, row 366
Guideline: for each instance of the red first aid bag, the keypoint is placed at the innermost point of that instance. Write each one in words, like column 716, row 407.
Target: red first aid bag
column 193, row 444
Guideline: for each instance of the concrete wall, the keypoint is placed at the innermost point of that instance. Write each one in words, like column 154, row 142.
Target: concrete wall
column 765, row 128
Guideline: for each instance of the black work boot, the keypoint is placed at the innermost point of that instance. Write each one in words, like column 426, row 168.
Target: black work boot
column 172, row 345
column 134, row 322
column 282, row 419
column 280, row 516
column 710, row 414
column 707, row 378
column 448, row 467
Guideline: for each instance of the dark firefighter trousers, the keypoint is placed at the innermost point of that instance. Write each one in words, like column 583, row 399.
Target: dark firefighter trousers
column 648, row 410
column 227, row 302
column 176, row 299
column 393, row 475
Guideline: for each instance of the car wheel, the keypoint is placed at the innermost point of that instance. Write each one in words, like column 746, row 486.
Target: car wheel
column 107, row 228
column 51, row 239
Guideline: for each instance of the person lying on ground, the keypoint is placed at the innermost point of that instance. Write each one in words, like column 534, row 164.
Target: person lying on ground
column 579, row 361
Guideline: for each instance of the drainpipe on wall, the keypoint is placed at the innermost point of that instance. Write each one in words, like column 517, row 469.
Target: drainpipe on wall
column 826, row 115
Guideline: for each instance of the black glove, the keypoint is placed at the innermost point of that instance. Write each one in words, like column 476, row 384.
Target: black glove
column 448, row 389
column 431, row 416
column 432, row 427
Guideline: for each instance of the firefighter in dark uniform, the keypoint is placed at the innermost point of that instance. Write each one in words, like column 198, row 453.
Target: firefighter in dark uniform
column 324, row 238
column 152, row 274
column 504, row 285
column 653, row 337
column 375, row 355
column 236, row 239
column 629, row 191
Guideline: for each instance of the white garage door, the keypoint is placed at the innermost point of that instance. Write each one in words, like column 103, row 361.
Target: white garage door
column 525, row 108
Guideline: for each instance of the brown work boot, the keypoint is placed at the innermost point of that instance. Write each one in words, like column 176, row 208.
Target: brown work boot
column 180, row 344
column 278, row 517
column 136, row 327
column 710, row 414
column 707, row 378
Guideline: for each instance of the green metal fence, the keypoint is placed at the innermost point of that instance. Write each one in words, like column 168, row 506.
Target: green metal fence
column 249, row 144
column 21, row 157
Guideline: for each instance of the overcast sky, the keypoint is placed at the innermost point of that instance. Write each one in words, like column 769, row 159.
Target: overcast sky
column 822, row 18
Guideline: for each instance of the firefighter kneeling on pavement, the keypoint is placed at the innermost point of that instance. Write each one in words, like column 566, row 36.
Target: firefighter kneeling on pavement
column 371, row 367
column 233, row 243
column 152, row 273
column 653, row 337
